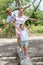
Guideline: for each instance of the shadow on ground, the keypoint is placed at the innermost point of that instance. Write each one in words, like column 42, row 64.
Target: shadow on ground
column 8, row 55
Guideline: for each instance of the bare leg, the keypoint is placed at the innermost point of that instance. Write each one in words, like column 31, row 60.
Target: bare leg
column 19, row 42
column 25, row 51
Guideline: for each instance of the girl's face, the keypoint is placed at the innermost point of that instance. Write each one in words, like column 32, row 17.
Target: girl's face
column 21, row 12
column 22, row 27
column 9, row 12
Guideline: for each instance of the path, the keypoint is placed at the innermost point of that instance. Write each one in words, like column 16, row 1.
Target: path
column 8, row 56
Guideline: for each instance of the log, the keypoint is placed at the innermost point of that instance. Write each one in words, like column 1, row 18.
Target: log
column 22, row 59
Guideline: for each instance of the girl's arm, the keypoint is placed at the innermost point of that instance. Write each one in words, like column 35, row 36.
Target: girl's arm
column 4, row 26
column 32, row 19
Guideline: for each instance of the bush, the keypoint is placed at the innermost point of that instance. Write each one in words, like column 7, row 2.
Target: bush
column 9, row 31
column 36, row 29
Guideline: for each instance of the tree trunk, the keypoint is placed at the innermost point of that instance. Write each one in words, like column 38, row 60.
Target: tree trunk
column 35, row 9
column 17, row 3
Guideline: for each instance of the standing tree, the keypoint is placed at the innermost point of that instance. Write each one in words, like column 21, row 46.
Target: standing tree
column 35, row 8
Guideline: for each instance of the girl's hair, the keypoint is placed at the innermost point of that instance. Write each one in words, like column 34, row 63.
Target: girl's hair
column 21, row 25
column 7, row 9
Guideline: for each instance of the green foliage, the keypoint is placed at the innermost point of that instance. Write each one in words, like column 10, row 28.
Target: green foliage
column 36, row 29
column 3, row 5
column 9, row 31
column 37, row 15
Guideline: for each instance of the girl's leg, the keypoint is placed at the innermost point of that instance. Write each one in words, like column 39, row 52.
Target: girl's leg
column 18, row 38
column 25, row 51
column 19, row 42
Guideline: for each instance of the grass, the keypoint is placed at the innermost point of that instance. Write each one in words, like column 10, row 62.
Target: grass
column 36, row 30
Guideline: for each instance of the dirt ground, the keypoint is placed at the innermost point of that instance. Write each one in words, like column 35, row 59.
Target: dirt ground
column 8, row 56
